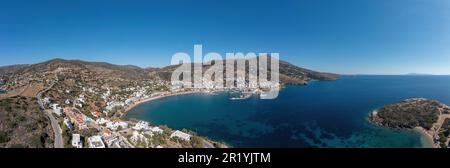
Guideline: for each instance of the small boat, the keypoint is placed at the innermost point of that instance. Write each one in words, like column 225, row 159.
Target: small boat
column 241, row 97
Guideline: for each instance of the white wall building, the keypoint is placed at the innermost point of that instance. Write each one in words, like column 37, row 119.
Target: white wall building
column 76, row 141
column 102, row 121
column 115, row 125
column 141, row 125
column 156, row 130
column 181, row 135
column 57, row 110
column 96, row 142
column 138, row 137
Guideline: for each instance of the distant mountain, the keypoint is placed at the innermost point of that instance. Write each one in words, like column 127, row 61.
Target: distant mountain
column 12, row 68
column 418, row 74
column 289, row 73
column 293, row 71
column 100, row 68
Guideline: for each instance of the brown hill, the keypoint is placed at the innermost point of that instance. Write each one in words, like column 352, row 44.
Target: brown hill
column 289, row 73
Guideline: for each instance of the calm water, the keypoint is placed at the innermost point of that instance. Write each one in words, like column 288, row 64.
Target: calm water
column 322, row 114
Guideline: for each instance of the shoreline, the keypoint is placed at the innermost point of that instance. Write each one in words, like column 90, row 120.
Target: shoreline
column 134, row 105
column 426, row 137
column 206, row 140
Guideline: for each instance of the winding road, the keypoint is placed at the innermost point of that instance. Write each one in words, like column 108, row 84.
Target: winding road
column 56, row 128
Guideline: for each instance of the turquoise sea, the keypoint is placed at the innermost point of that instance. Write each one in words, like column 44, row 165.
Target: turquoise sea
column 321, row 114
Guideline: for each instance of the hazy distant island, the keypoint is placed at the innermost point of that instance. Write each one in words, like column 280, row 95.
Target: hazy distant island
column 419, row 74
column 72, row 103
column 429, row 117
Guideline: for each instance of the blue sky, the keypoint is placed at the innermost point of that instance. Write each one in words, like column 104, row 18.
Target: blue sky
column 341, row 36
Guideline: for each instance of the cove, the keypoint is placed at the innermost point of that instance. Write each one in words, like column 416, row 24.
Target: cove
column 321, row 114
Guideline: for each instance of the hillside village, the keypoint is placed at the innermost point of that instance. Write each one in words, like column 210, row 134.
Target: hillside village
column 86, row 102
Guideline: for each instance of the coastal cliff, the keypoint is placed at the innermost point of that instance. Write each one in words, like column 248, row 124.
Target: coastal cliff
column 430, row 117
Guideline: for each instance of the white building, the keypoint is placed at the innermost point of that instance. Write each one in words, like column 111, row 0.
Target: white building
column 46, row 101
column 141, row 125
column 116, row 124
column 68, row 123
column 57, row 110
column 96, row 142
column 137, row 137
column 102, row 121
column 181, row 135
column 149, row 133
column 111, row 105
column 82, row 99
column 76, row 141
column 113, row 141
column 156, row 130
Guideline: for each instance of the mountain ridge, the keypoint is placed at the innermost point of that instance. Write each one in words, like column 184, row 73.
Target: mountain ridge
column 289, row 73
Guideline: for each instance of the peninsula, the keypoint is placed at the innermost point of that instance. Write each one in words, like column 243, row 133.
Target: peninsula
column 429, row 117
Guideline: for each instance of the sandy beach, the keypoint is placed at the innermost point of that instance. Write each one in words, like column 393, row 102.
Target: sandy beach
column 426, row 139
column 135, row 104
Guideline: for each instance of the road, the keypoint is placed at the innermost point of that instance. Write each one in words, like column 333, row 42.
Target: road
column 59, row 143
column 437, row 126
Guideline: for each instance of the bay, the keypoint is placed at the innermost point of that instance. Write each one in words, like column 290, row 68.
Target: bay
column 321, row 114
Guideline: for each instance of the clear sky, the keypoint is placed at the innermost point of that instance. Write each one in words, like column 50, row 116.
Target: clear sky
column 341, row 36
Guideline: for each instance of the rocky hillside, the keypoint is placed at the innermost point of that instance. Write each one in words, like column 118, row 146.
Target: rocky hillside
column 289, row 73
column 12, row 69
column 23, row 125
column 19, row 74
column 100, row 68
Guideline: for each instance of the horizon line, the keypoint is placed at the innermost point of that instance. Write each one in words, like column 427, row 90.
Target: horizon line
column 343, row 74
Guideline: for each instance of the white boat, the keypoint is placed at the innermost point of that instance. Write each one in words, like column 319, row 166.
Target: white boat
column 241, row 97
